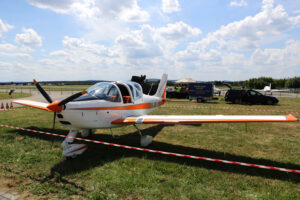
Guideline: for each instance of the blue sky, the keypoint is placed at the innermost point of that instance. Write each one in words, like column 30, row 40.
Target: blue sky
column 112, row 39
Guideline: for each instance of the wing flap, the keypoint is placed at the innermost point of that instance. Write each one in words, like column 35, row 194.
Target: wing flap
column 34, row 104
column 192, row 119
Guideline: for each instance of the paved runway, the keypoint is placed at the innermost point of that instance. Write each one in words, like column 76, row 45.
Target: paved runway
column 36, row 95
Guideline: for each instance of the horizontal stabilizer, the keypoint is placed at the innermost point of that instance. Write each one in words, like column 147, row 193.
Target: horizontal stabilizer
column 192, row 119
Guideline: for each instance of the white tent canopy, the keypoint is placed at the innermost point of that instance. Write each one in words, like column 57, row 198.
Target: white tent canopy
column 185, row 80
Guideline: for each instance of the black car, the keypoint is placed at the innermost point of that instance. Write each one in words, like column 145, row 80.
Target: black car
column 249, row 96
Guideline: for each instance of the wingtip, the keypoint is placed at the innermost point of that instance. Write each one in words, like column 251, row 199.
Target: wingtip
column 291, row 118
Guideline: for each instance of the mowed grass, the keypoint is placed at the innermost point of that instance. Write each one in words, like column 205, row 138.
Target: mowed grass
column 32, row 164
column 5, row 95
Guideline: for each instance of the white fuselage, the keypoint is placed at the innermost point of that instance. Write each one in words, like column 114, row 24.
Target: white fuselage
column 95, row 114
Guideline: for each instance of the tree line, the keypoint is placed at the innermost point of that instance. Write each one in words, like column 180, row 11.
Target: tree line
column 261, row 82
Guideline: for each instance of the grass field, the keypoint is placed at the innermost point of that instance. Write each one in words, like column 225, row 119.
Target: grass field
column 32, row 164
column 5, row 95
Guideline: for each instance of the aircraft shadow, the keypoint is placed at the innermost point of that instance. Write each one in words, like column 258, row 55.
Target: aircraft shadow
column 98, row 155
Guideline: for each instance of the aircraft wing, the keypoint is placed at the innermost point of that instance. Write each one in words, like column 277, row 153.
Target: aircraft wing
column 34, row 104
column 194, row 119
column 283, row 90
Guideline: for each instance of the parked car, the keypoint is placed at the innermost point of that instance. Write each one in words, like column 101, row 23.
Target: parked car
column 249, row 96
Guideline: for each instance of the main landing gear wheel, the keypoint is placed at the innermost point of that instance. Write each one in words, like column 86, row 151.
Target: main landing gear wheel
column 146, row 140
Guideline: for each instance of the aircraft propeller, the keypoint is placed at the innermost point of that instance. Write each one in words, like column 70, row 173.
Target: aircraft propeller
column 57, row 105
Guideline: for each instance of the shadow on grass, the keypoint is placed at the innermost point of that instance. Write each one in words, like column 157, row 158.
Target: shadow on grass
column 98, row 155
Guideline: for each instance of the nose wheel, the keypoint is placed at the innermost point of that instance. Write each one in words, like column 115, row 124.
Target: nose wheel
column 72, row 150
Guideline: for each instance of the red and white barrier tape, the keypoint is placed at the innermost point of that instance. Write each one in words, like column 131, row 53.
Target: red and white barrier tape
column 161, row 152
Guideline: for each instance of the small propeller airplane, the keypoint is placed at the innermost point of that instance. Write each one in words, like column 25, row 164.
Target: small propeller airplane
column 268, row 88
column 115, row 104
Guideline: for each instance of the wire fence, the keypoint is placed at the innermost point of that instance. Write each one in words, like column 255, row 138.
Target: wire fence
column 291, row 92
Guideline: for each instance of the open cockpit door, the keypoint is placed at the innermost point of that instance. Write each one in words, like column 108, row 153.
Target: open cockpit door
column 136, row 90
column 131, row 92
column 125, row 93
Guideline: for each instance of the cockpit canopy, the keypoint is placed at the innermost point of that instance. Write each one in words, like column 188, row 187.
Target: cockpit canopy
column 113, row 92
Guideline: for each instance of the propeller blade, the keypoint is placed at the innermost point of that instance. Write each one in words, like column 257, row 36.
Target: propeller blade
column 42, row 91
column 72, row 97
column 54, row 120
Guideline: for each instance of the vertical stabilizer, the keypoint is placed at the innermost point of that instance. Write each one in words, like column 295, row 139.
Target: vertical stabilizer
column 162, row 86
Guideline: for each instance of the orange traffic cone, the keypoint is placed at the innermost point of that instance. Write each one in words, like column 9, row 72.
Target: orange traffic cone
column 11, row 105
column 2, row 106
column 7, row 106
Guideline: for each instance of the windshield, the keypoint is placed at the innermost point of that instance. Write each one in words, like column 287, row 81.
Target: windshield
column 101, row 91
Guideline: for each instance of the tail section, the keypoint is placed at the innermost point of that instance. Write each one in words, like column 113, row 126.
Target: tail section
column 162, row 86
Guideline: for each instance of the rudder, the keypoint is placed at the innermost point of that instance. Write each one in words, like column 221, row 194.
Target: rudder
column 162, row 86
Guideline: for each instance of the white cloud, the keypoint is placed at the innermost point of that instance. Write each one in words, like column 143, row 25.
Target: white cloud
column 147, row 47
column 284, row 60
column 239, row 3
column 27, row 49
column 28, row 38
column 296, row 11
column 4, row 27
column 59, row 53
column 78, row 52
column 226, row 51
column 251, row 32
column 125, row 10
column 61, row 6
column 17, row 55
column 179, row 31
column 150, row 42
column 9, row 50
column 139, row 44
column 4, row 66
column 288, row 56
column 169, row 6
column 234, row 51
column 7, row 47
column 102, row 19
column 77, row 44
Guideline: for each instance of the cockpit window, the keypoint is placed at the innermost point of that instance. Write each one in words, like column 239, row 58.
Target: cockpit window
column 101, row 91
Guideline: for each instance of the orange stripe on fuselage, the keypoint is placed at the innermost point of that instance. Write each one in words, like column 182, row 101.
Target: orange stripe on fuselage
column 131, row 107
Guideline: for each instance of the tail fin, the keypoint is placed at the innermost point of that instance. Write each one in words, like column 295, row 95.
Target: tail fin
column 162, row 86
